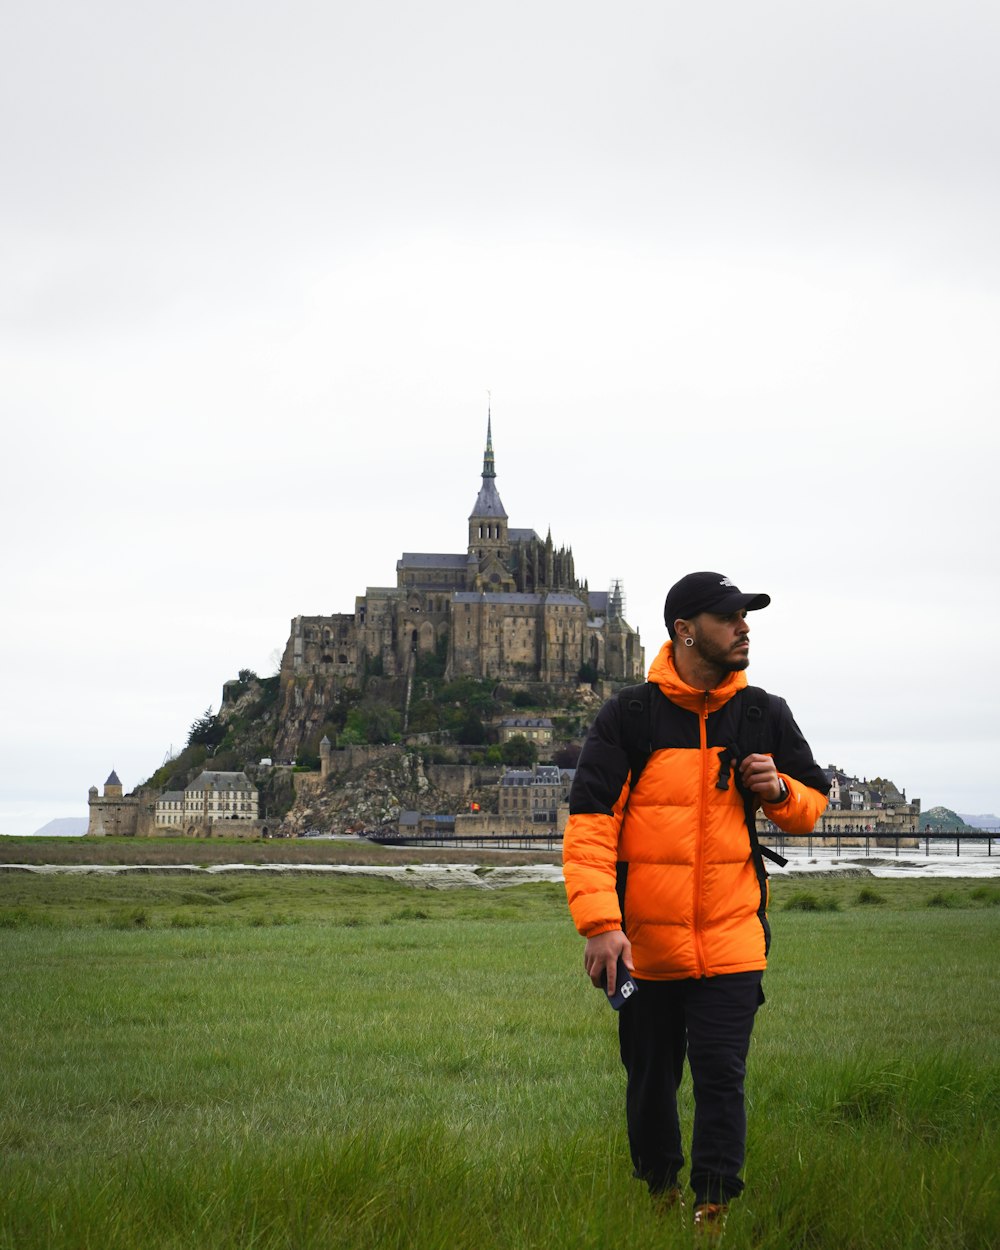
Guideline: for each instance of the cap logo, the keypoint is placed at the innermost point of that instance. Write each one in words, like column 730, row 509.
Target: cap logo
column 726, row 582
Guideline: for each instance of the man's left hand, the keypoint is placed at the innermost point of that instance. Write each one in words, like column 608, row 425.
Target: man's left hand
column 761, row 777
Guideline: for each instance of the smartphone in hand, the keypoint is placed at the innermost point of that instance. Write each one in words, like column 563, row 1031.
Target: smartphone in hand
column 625, row 985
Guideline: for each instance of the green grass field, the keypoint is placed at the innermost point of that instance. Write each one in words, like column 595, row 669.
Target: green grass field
column 223, row 1062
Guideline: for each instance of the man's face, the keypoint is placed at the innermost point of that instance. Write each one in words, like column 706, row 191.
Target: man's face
column 722, row 640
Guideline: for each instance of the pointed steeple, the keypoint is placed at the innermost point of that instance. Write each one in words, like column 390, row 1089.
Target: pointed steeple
column 489, row 548
column 489, row 468
column 488, row 504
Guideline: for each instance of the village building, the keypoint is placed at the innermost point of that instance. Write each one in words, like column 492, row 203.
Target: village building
column 536, row 729
column 212, row 800
column 169, row 809
column 413, row 824
column 532, row 796
column 212, row 797
column 859, row 809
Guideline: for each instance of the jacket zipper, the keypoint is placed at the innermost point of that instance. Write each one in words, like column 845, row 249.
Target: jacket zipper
column 699, row 853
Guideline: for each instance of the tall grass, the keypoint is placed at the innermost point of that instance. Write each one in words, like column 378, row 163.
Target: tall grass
column 299, row 1064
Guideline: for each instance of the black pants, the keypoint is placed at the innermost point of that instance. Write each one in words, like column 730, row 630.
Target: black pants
column 709, row 1019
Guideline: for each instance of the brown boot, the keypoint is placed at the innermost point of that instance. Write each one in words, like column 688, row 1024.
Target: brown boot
column 667, row 1200
column 709, row 1222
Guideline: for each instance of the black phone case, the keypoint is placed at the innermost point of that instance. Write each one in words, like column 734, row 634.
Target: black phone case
column 625, row 986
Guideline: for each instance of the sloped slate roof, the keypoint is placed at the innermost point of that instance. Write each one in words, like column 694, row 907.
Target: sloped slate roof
column 431, row 560
column 541, row 775
column 221, row 781
column 517, row 777
column 488, row 501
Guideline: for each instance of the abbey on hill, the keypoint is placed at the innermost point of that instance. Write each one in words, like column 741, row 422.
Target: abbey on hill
column 508, row 609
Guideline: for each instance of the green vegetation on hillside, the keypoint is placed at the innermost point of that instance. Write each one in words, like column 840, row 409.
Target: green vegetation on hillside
column 240, row 733
column 455, row 716
column 440, row 721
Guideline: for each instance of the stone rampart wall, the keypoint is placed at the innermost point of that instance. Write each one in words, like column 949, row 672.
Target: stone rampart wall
column 460, row 780
column 215, row 829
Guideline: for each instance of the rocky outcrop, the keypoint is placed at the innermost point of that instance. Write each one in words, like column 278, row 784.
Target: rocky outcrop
column 366, row 798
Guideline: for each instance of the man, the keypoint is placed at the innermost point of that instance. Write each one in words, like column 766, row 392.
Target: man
column 663, row 870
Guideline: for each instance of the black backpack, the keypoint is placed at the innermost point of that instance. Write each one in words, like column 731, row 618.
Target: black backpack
column 754, row 736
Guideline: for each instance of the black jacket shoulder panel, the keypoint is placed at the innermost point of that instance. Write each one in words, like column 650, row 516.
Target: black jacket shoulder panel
column 792, row 753
column 603, row 766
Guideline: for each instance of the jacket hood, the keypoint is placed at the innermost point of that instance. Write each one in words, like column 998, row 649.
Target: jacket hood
column 664, row 673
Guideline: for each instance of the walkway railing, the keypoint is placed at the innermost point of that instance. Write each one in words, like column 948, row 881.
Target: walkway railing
column 845, row 846
column 969, row 844
column 484, row 841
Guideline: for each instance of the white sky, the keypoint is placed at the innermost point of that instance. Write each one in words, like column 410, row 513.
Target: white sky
column 731, row 273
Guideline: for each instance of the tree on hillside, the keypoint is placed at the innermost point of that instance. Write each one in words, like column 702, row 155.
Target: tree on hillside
column 567, row 756
column 431, row 664
column 372, row 722
column 518, row 751
column 473, row 731
column 207, row 730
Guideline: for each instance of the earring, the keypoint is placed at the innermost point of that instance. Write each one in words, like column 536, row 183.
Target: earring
column 689, row 642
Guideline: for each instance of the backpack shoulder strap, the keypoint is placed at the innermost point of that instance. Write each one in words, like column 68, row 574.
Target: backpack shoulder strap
column 751, row 733
column 635, row 704
column 756, row 737
column 755, row 733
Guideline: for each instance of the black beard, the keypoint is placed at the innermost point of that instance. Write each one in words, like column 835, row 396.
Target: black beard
column 722, row 660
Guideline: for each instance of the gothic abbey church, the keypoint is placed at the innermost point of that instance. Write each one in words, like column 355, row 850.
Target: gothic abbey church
column 509, row 609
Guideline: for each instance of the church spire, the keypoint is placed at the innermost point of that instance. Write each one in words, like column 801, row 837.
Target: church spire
column 489, row 548
column 488, row 503
column 489, row 468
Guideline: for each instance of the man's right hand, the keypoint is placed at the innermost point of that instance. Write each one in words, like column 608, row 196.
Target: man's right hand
column 600, row 958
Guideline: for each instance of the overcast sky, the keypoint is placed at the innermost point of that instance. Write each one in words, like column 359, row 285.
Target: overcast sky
column 730, row 272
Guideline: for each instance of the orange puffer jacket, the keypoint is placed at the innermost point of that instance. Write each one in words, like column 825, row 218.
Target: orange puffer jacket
column 671, row 861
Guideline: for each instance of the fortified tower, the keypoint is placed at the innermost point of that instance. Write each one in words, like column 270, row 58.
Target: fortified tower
column 112, row 815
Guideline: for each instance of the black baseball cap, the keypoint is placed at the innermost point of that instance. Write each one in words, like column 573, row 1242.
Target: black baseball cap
column 707, row 592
